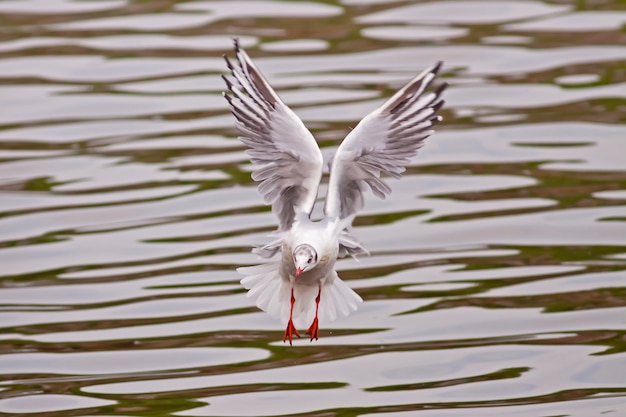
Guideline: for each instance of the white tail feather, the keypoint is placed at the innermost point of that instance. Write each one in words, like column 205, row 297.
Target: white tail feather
column 337, row 300
column 273, row 294
column 264, row 286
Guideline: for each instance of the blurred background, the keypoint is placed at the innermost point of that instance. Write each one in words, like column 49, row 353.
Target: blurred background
column 496, row 281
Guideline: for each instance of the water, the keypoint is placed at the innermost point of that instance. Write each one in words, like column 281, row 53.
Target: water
column 496, row 281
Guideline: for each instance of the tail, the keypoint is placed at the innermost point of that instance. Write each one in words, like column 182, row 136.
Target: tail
column 337, row 300
column 265, row 287
column 273, row 294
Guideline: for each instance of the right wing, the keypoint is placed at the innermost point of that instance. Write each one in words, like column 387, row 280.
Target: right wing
column 383, row 142
column 287, row 158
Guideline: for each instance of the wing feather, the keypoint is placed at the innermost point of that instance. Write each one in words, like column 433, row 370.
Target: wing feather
column 383, row 143
column 288, row 162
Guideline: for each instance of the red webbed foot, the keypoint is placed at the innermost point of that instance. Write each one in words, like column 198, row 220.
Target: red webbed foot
column 290, row 331
column 314, row 330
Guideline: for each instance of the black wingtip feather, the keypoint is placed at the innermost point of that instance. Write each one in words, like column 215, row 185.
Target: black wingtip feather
column 228, row 63
column 229, row 84
column 440, row 89
column 437, row 67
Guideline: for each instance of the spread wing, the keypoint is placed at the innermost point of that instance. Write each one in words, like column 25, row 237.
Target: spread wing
column 383, row 142
column 288, row 162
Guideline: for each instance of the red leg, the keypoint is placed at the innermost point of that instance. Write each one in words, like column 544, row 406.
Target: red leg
column 314, row 330
column 291, row 329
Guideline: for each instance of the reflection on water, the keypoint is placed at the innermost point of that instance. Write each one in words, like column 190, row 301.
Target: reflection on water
column 496, row 281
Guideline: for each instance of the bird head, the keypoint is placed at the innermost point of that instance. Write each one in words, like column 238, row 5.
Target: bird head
column 304, row 258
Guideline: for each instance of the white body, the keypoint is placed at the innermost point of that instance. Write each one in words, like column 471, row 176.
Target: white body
column 270, row 284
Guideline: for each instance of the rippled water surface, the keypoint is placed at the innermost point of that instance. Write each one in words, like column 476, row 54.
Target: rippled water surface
column 496, row 281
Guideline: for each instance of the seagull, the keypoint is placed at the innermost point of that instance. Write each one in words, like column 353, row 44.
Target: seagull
column 302, row 286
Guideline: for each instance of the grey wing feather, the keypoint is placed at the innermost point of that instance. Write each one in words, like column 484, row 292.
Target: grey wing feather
column 287, row 158
column 383, row 142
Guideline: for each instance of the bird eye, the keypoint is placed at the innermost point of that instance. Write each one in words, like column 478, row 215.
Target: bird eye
column 310, row 260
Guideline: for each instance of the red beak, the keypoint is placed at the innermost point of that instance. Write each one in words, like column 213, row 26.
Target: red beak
column 299, row 272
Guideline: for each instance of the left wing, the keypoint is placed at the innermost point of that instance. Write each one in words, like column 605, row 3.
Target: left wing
column 287, row 158
column 383, row 142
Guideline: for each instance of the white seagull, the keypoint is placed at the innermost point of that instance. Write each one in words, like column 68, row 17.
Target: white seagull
column 302, row 286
